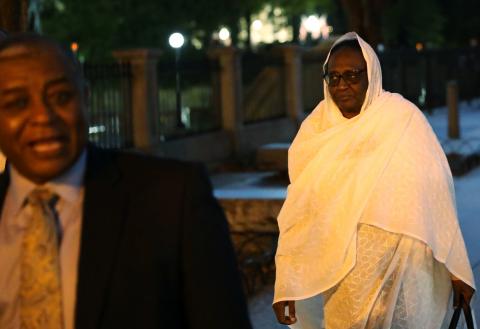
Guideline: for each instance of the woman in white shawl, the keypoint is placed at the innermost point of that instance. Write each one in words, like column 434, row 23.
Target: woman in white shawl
column 369, row 222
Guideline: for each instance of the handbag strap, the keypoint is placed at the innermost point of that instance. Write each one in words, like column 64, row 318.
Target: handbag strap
column 455, row 318
column 467, row 312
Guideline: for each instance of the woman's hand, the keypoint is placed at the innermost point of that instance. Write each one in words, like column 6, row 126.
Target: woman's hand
column 280, row 307
column 461, row 291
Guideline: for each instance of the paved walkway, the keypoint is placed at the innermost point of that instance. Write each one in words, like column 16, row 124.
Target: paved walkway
column 261, row 312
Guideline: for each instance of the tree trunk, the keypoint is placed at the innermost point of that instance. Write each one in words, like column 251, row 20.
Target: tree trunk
column 364, row 17
column 14, row 15
column 234, row 31
column 354, row 14
column 248, row 19
column 295, row 22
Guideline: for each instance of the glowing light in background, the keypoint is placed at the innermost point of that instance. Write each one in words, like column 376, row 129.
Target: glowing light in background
column 176, row 40
column 267, row 28
column 224, row 34
column 222, row 37
column 257, row 25
column 271, row 25
column 314, row 26
column 197, row 43
column 74, row 47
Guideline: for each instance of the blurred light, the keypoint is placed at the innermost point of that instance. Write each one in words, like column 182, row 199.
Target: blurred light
column 267, row 26
column 243, row 34
column 224, row 34
column 283, row 36
column 257, row 24
column 59, row 6
column 419, row 46
column 380, row 48
column 176, row 40
column 422, row 96
column 197, row 43
column 312, row 24
column 96, row 129
column 74, row 47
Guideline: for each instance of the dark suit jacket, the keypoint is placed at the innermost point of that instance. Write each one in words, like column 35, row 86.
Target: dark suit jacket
column 155, row 250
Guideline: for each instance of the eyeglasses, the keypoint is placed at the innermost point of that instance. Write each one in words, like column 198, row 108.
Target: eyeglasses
column 350, row 77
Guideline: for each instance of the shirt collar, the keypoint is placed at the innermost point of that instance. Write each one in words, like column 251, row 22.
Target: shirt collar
column 68, row 185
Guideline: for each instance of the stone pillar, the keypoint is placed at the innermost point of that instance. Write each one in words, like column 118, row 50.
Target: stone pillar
column 144, row 92
column 452, row 103
column 292, row 56
column 230, row 87
column 230, row 93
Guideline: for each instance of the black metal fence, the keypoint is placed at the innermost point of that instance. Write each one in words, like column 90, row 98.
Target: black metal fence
column 263, row 85
column 110, row 107
column 421, row 77
column 200, row 98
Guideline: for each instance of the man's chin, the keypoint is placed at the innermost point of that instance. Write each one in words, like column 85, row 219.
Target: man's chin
column 44, row 171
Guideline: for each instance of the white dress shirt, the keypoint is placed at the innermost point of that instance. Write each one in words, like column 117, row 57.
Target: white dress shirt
column 69, row 187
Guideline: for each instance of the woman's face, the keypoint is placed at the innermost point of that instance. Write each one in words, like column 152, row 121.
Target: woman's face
column 347, row 80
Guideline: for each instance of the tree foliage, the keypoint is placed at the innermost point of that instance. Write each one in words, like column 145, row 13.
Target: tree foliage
column 407, row 22
column 462, row 25
column 100, row 26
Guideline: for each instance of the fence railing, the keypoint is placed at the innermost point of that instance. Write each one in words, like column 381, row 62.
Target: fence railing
column 231, row 89
column 263, row 80
column 110, row 105
column 421, row 77
column 200, row 98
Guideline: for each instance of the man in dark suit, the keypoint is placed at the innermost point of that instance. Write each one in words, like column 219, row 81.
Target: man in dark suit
column 91, row 238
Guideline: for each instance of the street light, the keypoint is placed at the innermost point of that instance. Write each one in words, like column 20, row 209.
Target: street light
column 224, row 34
column 176, row 41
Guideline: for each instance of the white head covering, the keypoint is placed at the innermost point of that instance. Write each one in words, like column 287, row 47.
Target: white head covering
column 383, row 167
column 374, row 73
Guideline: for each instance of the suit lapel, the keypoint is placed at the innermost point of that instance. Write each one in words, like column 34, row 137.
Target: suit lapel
column 103, row 218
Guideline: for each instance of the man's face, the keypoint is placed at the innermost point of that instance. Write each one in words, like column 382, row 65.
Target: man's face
column 42, row 111
column 348, row 96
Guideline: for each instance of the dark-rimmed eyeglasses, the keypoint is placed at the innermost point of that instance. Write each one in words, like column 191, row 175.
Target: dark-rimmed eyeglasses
column 350, row 77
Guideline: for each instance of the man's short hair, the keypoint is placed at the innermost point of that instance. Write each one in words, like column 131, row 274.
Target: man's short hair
column 40, row 41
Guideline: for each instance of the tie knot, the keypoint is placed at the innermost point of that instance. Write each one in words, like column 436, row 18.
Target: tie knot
column 42, row 196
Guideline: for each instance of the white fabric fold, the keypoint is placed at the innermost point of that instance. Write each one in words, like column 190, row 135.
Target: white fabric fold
column 383, row 167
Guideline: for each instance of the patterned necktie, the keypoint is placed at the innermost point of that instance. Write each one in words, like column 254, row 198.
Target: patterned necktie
column 40, row 287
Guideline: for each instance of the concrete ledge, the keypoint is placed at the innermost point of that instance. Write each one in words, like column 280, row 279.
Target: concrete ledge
column 251, row 201
column 209, row 147
column 273, row 157
column 254, row 135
